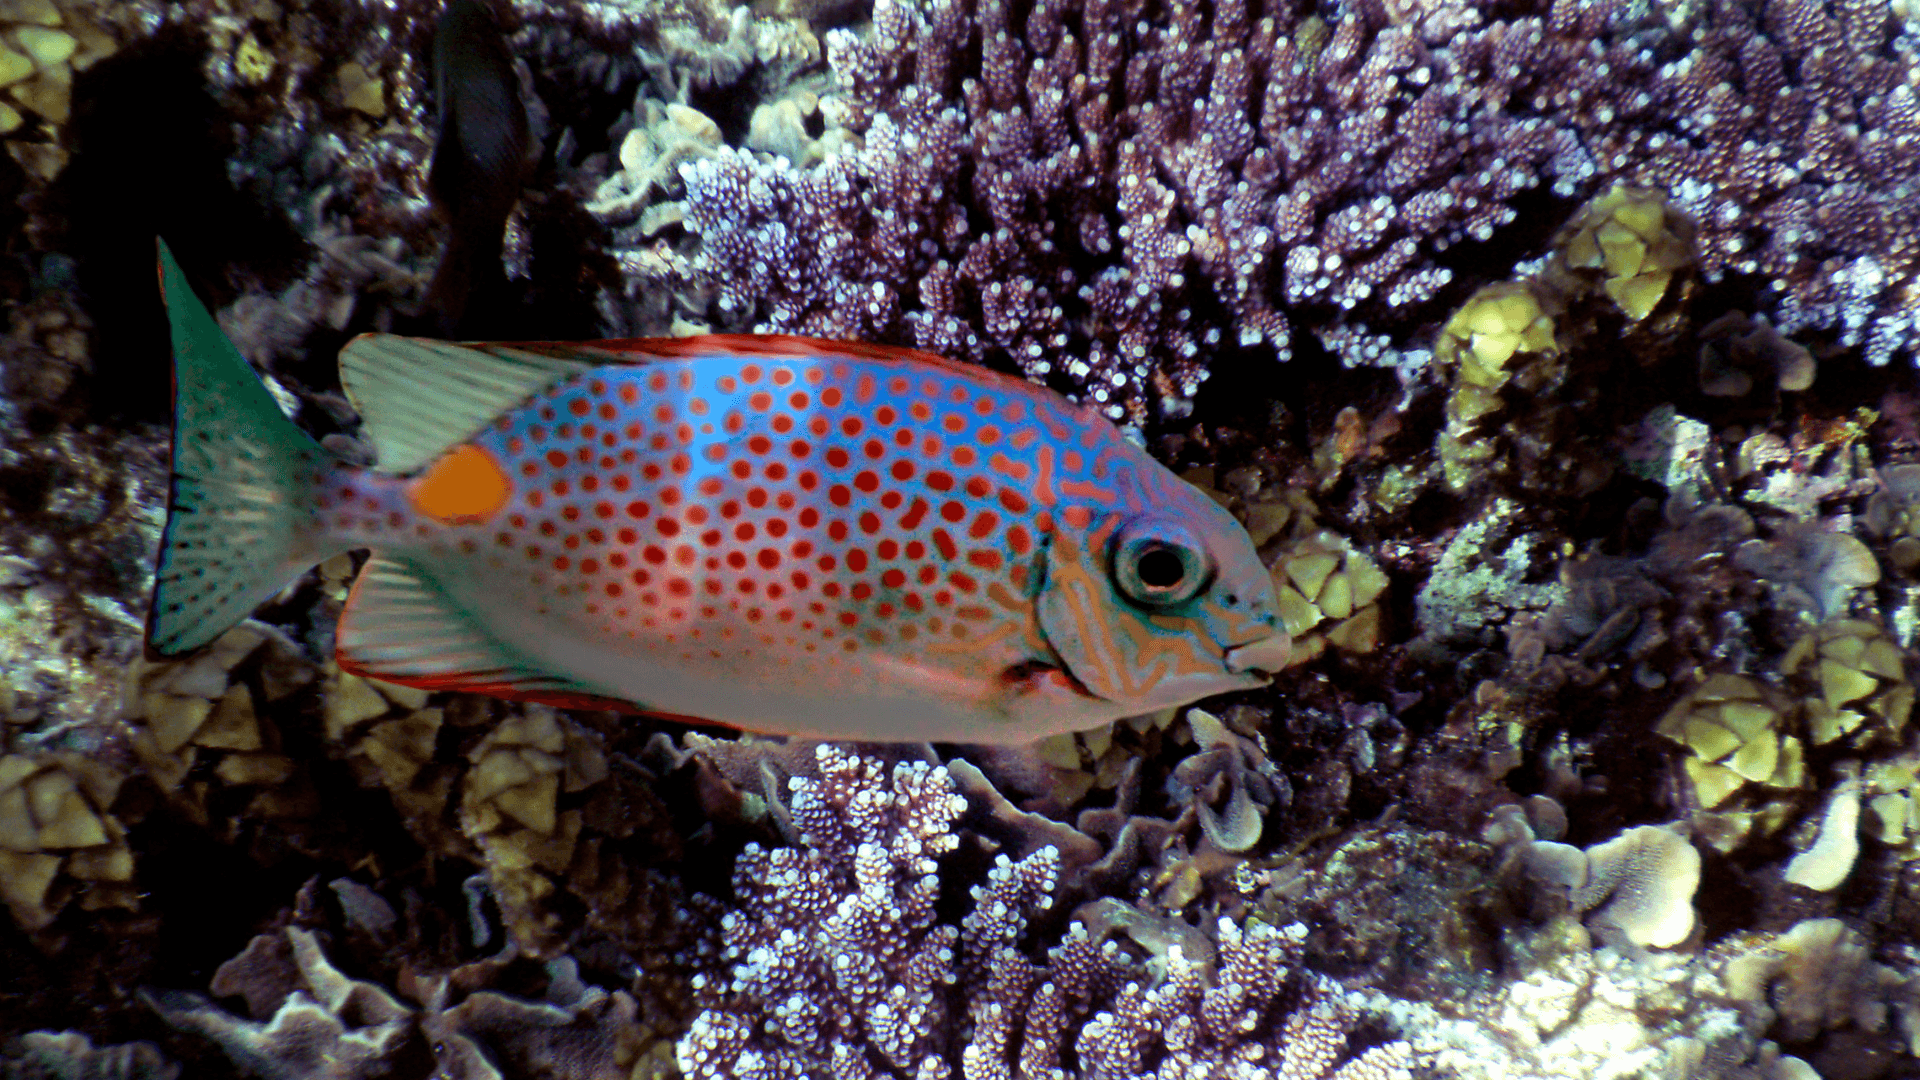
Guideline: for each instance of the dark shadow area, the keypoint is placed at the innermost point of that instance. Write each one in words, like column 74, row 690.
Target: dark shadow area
column 150, row 146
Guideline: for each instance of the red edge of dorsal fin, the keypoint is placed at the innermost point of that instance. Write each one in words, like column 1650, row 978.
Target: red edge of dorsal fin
column 643, row 350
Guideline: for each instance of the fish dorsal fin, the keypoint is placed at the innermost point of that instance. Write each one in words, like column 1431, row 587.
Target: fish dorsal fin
column 400, row 627
column 418, row 397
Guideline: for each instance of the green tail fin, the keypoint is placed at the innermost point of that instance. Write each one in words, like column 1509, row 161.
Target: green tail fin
column 240, row 524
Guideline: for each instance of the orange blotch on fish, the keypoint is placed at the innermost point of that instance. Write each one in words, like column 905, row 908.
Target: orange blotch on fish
column 885, row 416
column 760, row 401
column 726, row 384
column 1077, row 517
column 782, row 376
column 734, row 423
column 875, row 449
column 629, row 393
column 891, row 500
column 893, row 578
column 760, row 444
column 695, row 514
column 782, row 424
column 750, row 374
column 869, row 522
column 944, row 544
column 465, row 486
column 963, row 456
column 756, row 497
column 742, row 470
column 776, row 471
column 798, row 400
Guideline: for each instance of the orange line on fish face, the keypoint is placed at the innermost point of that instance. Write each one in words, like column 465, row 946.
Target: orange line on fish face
column 466, row 486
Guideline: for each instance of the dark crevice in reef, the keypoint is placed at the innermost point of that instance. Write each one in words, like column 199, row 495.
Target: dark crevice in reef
column 150, row 146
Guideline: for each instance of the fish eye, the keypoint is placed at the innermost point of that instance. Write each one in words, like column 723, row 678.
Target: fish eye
column 1157, row 563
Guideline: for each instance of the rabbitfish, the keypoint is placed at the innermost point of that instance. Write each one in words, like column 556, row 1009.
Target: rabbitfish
column 772, row 533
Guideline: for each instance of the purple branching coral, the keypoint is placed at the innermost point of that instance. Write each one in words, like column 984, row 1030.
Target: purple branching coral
column 1107, row 194
column 837, row 964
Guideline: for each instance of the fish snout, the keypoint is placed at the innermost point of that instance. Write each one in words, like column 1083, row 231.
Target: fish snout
column 1265, row 656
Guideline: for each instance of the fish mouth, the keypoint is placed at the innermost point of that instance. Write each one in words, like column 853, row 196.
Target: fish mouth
column 1263, row 657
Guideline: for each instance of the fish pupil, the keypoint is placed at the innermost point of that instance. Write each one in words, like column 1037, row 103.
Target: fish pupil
column 1160, row 568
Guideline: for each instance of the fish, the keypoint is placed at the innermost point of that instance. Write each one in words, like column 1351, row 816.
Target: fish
column 479, row 164
column 773, row 534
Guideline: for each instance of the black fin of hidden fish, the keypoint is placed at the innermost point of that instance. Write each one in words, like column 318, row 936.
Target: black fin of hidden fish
column 479, row 165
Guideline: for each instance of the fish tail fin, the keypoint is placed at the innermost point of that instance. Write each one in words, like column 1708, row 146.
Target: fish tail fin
column 242, row 516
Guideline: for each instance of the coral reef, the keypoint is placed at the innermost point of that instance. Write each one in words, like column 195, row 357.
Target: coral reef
column 1299, row 174
column 836, row 960
column 1590, row 494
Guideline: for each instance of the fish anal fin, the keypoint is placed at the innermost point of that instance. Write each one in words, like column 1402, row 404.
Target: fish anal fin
column 400, row 626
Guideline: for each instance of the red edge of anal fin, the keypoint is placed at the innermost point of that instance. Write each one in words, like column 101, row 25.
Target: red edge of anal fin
column 478, row 683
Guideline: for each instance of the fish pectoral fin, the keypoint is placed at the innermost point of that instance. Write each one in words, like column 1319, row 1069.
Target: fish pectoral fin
column 419, row 398
column 1031, row 678
column 400, row 627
